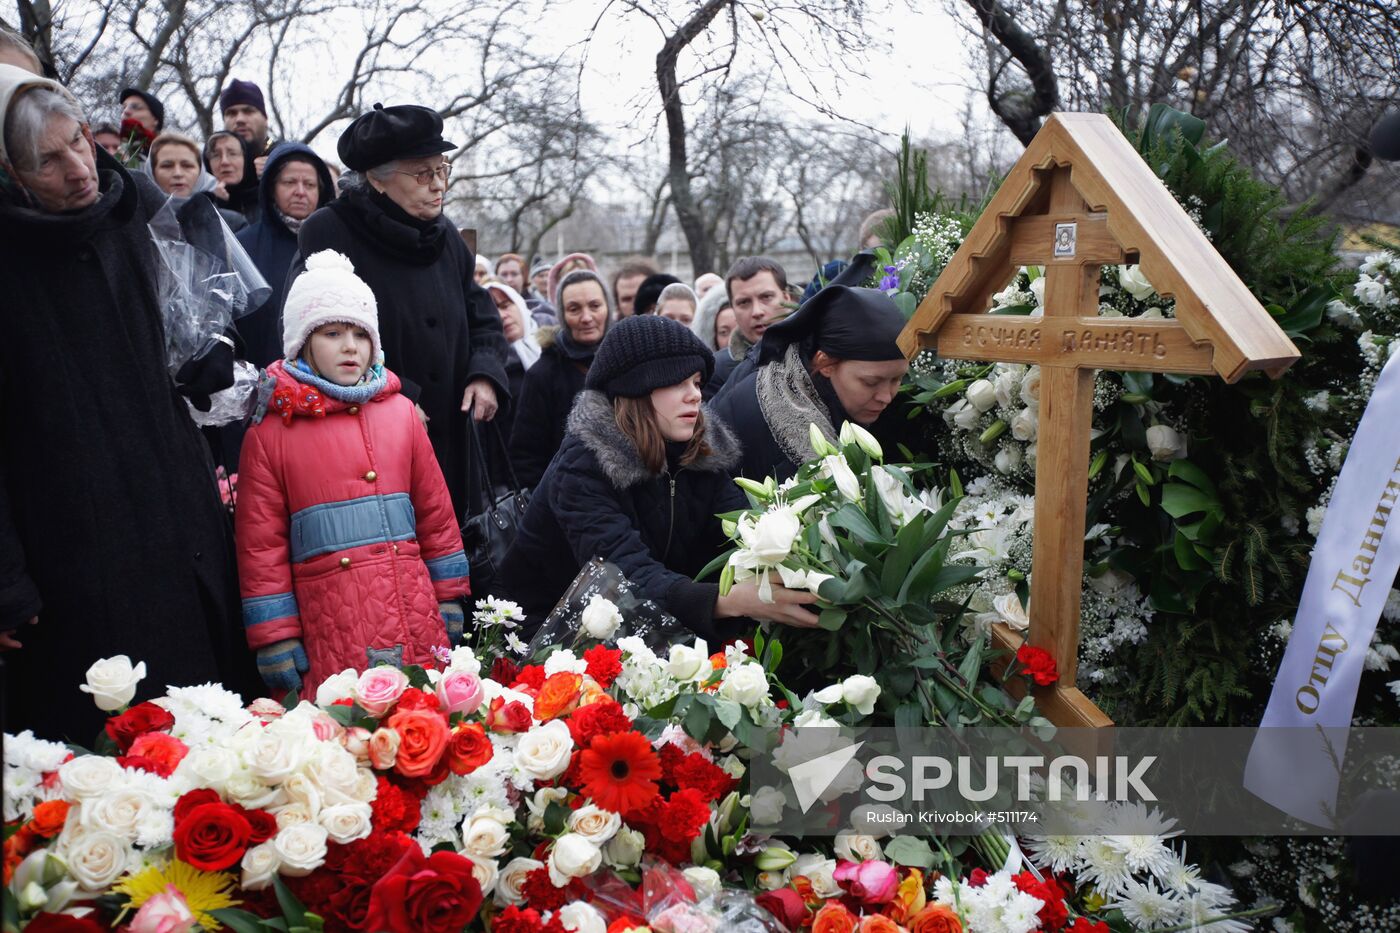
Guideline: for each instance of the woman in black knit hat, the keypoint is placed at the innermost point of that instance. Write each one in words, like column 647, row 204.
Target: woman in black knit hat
column 641, row 475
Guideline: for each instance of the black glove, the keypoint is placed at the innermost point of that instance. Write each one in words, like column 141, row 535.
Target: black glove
column 204, row 375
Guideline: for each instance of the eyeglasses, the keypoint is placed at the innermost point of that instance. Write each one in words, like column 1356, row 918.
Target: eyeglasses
column 425, row 177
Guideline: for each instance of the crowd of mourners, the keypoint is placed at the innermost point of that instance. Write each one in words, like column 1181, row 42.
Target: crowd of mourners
column 405, row 383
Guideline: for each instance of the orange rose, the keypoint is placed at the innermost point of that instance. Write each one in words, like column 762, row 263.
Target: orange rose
column 423, row 738
column 879, row 923
column 591, row 693
column 49, row 818
column 558, row 696
column 833, row 918
column 936, row 918
column 909, row 898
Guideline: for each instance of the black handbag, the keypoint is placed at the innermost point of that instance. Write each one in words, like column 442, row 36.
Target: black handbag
column 488, row 535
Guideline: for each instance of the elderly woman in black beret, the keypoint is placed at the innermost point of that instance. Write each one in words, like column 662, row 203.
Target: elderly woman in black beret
column 440, row 330
column 834, row 360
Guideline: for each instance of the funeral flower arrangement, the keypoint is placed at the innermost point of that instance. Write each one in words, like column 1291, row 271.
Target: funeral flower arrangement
column 594, row 792
column 1205, row 498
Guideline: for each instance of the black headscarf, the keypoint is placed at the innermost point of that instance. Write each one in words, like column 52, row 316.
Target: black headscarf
column 245, row 191
column 845, row 323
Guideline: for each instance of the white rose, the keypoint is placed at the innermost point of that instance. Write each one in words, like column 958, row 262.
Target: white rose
column 333, row 768
column 1030, row 387
column 337, row 687
column 625, row 849
column 88, row 776
column 118, row 811
column 858, row 847
column 293, row 814
column 511, row 880
column 538, row 804
column 302, row 848
column 485, row 832
column 346, row 822
column 260, row 864
column 704, row 881
column 543, row 752
column 1131, row 279
column 820, row 871
column 464, row 659
column 96, row 859
column 1008, row 607
column 247, row 790
column 1165, row 443
column 208, row 766
column 595, row 824
column 112, row 682
column 276, row 751
column 1008, row 458
column 966, row 417
column 746, row 684
column 771, row 880
column 860, row 693
column 766, row 806
column 572, row 856
column 601, row 618
column 690, row 662
column 772, row 536
column 982, row 395
column 1006, row 386
column 847, row 483
column 582, row 917
column 484, row 870
column 813, row 718
column 1025, row 425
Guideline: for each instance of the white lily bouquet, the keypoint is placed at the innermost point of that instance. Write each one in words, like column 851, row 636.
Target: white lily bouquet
column 874, row 547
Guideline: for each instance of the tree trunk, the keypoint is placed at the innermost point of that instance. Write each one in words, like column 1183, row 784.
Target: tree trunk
column 1021, row 116
column 36, row 25
column 682, row 198
column 174, row 17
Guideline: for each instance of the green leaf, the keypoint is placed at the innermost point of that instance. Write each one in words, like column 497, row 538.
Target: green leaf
column 239, row 921
column 1306, row 312
column 293, row 910
column 906, row 303
column 728, row 712
column 1186, row 557
column 832, row 619
column 911, row 851
column 971, row 664
column 717, row 564
column 698, row 718
column 902, row 557
column 1188, row 472
column 852, row 519
column 1163, row 122
column 556, row 817
column 1179, row 500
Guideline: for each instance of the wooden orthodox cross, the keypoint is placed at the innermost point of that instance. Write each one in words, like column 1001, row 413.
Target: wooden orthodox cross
column 1078, row 199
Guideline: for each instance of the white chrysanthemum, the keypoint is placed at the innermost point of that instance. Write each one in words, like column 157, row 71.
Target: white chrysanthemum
column 1146, row 907
column 1057, row 853
column 1104, row 866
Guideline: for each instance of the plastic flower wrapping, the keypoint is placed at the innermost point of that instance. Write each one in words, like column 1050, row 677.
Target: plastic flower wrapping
column 591, row 792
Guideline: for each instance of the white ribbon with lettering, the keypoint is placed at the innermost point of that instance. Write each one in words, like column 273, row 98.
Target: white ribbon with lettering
column 1353, row 566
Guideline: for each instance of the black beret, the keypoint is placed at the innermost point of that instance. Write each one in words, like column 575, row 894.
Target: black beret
column 649, row 292
column 152, row 102
column 404, row 131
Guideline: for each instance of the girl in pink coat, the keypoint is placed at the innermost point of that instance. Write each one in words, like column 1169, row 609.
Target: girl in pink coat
column 348, row 549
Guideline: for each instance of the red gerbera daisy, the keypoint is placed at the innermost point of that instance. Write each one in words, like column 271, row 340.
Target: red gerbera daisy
column 619, row 771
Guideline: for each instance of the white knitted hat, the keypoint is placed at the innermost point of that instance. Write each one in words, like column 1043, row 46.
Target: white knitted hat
column 328, row 292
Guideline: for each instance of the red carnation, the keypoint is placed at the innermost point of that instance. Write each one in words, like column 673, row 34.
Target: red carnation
column 137, row 721
column 413, row 698
column 64, row 923
column 157, row 752
column 394, row 809
column 1085, row 925
column 695, row 772
column 1038, row 664
column 684, row 815
column 604, row 717
column 540, row 893
column 604, row 664
column 431, row 893
column 977, row 878
column 531, row 676
column 517, row 920
column 212, row 837
column 1054, row 915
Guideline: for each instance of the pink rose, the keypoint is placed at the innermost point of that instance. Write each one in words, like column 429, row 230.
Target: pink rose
column 325, row 728
column 685, row 918
column 869, row 882
column 383, row 749
column 460, row 692
column 356, row 742
column 266, row 709
column 165, row 912
column 379, row 688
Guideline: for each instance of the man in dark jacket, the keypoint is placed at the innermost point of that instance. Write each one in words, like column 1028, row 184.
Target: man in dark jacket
column 112, row 535
column 441, row 332
column 757, row 288
column 295, row 183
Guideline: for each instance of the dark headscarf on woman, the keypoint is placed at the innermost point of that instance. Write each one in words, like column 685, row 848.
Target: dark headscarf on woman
column 243, row 195
column 845, row 323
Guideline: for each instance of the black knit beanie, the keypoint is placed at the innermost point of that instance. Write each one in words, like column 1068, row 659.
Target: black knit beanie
column 640, row 354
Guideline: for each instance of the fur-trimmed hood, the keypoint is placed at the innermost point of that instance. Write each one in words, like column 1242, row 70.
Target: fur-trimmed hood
column 593, row 422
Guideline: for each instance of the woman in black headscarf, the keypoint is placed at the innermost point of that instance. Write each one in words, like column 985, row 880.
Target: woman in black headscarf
column 229, row 160
column 834, row 360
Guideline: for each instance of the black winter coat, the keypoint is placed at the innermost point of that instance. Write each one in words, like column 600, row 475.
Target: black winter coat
column 272, row 248
column 546, row 398
column 440, row 329
column 111, row 528
column 598, row 499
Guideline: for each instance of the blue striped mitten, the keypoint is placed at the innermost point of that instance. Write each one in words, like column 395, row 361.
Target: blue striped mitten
column 281, row 665
column 453, row 619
